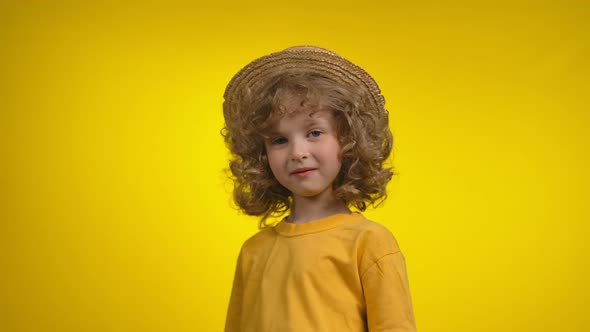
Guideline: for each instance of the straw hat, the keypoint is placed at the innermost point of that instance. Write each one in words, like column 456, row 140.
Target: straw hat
column 301, row 58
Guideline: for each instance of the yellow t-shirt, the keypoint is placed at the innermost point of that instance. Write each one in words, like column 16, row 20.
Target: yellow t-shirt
column 337, row 274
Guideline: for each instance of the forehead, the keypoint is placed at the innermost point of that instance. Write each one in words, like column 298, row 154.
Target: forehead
column 290, row 101
column 297, row 104
column 302, row 118
column 297, row 108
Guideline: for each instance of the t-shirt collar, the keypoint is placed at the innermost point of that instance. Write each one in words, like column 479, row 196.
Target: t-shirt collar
column 285, row 228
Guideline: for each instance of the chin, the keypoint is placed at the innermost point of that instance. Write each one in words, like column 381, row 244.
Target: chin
column 309, row 193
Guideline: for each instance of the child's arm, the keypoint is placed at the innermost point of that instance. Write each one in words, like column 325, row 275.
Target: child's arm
column 234, row 311
column 385, row 283
column 387, row 295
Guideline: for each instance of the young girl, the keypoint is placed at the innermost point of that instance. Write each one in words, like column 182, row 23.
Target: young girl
column 309, row 135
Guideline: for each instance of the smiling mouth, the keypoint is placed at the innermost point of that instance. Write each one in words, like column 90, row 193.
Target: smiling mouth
column 302, row 171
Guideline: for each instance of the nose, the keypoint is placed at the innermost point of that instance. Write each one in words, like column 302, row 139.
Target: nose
column 299, row 150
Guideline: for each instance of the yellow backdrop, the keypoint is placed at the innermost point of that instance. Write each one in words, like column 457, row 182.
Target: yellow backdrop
column 116, row 214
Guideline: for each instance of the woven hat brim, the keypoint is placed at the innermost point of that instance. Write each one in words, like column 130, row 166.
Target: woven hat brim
column 308, row 59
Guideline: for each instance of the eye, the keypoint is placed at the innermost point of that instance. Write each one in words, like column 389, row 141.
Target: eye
column 278, row 140
column 315, row 133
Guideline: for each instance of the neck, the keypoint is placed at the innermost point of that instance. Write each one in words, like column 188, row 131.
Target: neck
column 306, row 209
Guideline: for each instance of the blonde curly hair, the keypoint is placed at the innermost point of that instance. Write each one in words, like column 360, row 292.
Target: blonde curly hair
column 361, row 126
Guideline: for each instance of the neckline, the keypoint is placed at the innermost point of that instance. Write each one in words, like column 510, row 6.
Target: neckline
column 285, row 228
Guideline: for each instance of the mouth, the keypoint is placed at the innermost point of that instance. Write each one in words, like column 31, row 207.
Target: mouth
column 303, row 171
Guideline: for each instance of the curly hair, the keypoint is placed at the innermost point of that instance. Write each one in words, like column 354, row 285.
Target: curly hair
column 362, row 130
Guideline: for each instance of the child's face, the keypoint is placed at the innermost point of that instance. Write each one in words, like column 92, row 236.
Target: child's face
column 303, row 152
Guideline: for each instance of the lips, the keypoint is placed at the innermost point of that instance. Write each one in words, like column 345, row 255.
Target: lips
column 303, row 171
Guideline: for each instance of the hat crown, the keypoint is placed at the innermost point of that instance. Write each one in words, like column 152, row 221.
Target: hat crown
column 307, row 58
column 311, row 48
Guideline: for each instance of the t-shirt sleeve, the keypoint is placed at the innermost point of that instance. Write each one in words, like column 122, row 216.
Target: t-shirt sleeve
column 387, row 295
column 234, row 311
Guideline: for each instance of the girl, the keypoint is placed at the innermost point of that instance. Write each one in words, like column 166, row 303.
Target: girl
column 309, row 134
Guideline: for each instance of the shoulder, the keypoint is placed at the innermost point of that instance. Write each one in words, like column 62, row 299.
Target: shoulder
column 375, row 236
column 259, row 241
column 374, row 241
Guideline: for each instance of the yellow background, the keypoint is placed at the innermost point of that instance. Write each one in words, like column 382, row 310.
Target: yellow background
column 116, row 213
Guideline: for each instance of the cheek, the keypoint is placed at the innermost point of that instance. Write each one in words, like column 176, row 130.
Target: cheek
column 333, row 150
column 273, row 161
